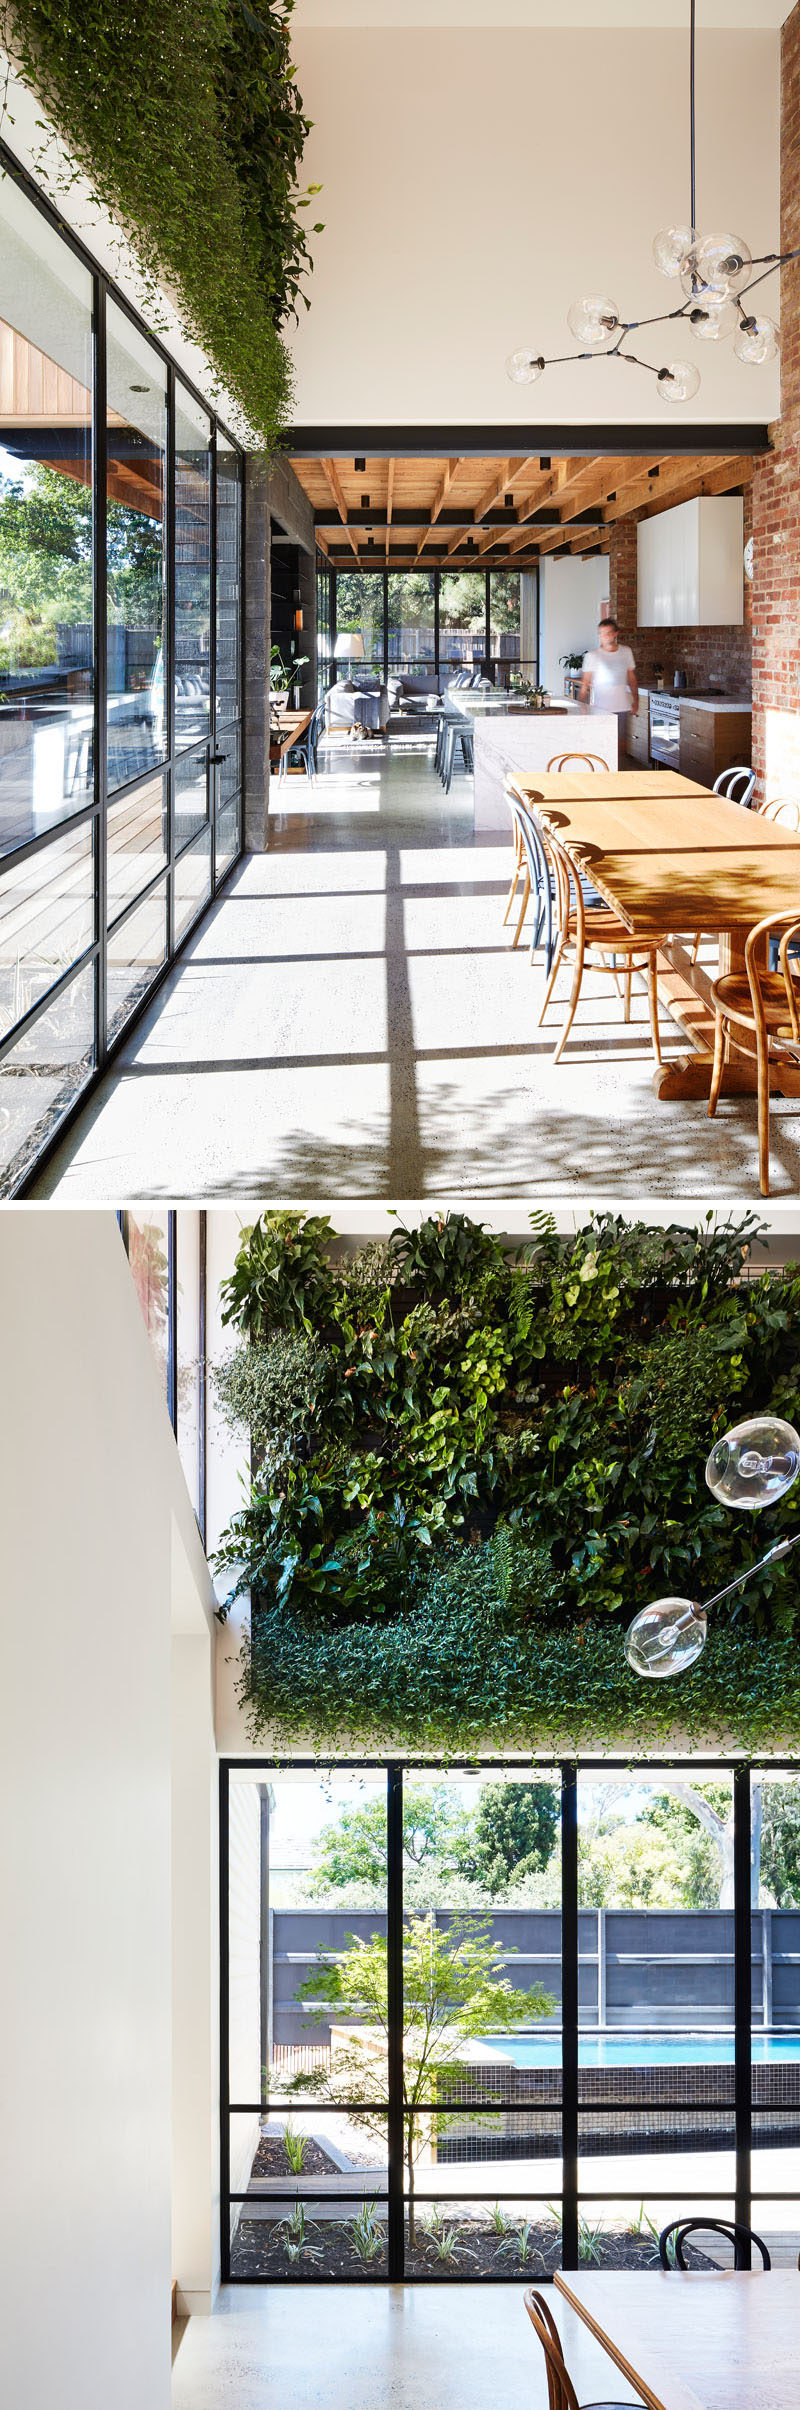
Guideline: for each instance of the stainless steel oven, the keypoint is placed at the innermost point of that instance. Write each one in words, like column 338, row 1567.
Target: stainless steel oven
column 665, row 729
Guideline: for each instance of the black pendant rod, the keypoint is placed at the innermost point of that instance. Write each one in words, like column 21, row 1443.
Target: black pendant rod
column 692, row 218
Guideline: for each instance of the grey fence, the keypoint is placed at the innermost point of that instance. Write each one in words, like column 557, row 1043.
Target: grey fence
column 653, row 1970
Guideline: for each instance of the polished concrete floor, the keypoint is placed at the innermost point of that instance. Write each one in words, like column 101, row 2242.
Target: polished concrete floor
column 349, row 1021
column 397, row 2347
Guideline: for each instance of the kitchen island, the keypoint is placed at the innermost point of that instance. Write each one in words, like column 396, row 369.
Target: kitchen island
column 510, row 741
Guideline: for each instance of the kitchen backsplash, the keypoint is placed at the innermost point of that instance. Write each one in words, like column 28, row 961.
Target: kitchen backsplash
column 710, row 656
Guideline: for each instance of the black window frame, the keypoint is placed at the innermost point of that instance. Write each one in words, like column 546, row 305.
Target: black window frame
column 574, row 2192
column 437, row 571
column 94, row 957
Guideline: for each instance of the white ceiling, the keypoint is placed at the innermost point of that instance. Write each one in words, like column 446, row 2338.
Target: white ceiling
column 641, row 15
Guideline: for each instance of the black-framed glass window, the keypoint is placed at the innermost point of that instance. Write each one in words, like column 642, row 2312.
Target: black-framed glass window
column 166, row 1252
column 46, row 525
column 462, row 619
column 411, row 619
column 136, row 550
column 192, row 569
column 360, row 613
column 623, row 2047
column 504, row 624
column 326, row 584
column 117, row 812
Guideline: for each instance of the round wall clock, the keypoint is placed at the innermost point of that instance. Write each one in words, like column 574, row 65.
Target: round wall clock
column 748, row 558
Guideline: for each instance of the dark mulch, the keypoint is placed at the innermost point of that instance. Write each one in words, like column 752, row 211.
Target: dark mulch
column 477, row 2252
column 271, row 2159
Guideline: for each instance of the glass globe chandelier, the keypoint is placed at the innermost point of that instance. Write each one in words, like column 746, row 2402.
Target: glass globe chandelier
column 716, row 273
column 752, row 1466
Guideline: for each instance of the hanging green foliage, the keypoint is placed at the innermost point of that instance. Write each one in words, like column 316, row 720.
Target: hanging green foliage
column 187, row 121
column 470, row 1469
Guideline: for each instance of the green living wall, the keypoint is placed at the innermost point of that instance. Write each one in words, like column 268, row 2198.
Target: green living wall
column 185, row 117
column 471, row 1468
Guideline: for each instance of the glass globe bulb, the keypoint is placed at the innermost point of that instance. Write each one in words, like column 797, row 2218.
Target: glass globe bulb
column 717, row 263
column 594, row 321
column 665, row 1638
column 758, row 340
column 711, row 319
column 678, row 381
column 670, row 248
column 523, row 367
column 755, row 1463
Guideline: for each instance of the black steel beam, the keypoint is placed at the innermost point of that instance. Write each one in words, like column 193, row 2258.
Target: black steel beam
column 376, row 519
column 560, row 442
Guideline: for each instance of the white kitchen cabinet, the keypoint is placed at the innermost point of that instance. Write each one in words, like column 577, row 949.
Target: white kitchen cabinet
column 690, row 565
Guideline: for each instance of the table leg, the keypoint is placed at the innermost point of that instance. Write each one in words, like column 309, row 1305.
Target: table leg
column 686, row 990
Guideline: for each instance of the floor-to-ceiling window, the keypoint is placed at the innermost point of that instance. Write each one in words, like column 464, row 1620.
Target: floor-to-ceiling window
column 360, row 614
column 411, row 619
column 462, row 619
column 483, row 2021
column 120, row 671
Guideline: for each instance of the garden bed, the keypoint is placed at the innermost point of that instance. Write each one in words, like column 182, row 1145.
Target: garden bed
column 447, row 2248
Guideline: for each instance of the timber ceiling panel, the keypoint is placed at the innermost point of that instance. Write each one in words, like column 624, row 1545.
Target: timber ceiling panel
column 405, row 513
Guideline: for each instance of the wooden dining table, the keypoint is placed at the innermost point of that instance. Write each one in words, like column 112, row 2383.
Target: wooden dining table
column 284, row 731
column 676, row 861
column 696, row 2341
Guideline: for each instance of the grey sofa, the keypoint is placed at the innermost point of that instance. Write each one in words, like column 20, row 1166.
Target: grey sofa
column 351, row 706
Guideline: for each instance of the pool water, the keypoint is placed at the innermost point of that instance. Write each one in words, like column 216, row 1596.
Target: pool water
column 633, row 2050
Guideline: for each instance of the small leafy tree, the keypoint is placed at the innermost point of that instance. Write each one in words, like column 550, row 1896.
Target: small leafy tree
column 454, row 1991
column 437, row 1838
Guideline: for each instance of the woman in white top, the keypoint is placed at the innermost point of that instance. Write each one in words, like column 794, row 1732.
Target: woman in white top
column 609, row 676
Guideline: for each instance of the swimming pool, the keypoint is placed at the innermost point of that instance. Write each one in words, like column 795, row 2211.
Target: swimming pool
column 634, row 2050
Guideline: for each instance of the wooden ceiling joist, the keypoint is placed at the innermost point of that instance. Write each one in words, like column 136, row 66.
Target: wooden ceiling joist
column 332, row 475
column 439, row 499
column 473, row 512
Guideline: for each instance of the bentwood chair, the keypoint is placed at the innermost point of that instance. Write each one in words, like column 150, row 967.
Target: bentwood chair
column 306, row 747
column 738, row 784
column 587, row 761
column 561, row 2394
column 763, row 1007
column 743, row 2240
column 596, row 933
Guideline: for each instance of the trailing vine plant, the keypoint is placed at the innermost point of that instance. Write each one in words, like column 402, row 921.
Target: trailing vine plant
column 470, row 1468
column 187, row 122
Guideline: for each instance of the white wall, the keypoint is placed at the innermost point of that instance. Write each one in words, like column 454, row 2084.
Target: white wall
column 477, row 179
column 99, row 1544
column 572, row 593
column 195, row 1974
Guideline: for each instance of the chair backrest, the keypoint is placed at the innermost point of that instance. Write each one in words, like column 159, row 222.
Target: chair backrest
column 781, row 929
column 680, row 2229
column 561, row 2392
column 587, row 761
column 730, row 782
column 785, row 812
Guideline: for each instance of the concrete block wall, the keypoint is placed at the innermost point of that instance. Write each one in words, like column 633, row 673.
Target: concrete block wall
column 272, row 492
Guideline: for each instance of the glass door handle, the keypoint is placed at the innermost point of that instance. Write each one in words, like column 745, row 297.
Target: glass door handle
column 213, row 758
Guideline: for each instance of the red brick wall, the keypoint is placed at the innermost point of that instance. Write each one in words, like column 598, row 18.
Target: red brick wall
column 776, row 492
column 710, row 656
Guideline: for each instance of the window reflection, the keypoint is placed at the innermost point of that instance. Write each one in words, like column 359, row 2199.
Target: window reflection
column 192, row 569
column 148, row 1256
column 137, row 450
column 229, row 572
column 46, row 645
